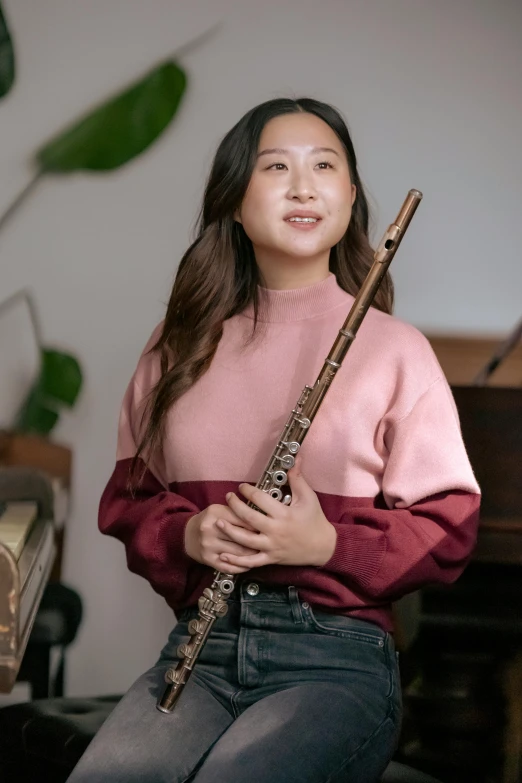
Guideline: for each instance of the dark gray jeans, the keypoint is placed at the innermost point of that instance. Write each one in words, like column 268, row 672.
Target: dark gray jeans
column 281, row 693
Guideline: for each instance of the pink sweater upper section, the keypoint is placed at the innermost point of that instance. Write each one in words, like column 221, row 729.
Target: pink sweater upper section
column 384, row 453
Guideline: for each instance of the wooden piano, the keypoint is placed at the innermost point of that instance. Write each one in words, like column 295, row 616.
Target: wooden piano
column 486, row 381
column 27, row 552
column 463, row 703
column 491, row 421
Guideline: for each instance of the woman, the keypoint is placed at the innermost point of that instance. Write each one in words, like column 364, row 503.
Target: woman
column 299, row 682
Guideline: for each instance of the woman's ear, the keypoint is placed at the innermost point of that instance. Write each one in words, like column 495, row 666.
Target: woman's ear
column 354, row 194
column 237, row 216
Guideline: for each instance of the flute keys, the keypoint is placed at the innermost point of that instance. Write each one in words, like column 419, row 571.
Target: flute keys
column 196, row 626
column 172, row 676
column 226, row 585
column 276, row 493
column 279, row 477
column 292, row 445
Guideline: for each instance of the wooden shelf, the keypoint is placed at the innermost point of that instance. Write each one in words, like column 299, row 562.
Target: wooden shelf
column 462, row 357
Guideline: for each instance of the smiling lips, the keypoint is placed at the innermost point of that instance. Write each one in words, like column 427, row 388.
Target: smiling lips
column 302, row 219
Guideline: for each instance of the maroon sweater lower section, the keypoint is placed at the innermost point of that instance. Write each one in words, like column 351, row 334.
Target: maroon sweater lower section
column 381, row 553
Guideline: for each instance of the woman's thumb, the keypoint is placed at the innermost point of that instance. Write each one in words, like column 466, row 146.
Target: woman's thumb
column 295, row 477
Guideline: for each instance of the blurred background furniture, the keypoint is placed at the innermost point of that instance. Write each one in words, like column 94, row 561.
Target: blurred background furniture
column 37, row 628
column 55, row 628
column 463, row 694
column 27, row 552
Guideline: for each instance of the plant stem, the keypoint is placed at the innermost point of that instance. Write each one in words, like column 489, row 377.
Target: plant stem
column 18, row 201
column 25, row 295
column 194, row 42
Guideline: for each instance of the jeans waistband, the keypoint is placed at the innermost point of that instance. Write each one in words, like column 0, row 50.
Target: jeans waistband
column 250, row 591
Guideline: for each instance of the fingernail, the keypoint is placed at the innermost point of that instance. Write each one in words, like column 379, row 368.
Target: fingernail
column 228, row 495
column 220, row 523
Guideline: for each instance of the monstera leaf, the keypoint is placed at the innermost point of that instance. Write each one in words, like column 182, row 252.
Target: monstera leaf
column 7, row 63
column 57, row 385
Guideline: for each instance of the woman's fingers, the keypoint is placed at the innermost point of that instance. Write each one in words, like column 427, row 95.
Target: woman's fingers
column 228, row 568
column 249, row 516
column 263, row 500
column 255, row 541
column 226, row 545
column 247, row 562
column 237, row 522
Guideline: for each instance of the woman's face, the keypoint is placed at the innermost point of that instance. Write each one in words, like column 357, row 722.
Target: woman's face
column 299, row 199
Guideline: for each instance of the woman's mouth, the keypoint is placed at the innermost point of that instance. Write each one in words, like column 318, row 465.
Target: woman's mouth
column 303, row 222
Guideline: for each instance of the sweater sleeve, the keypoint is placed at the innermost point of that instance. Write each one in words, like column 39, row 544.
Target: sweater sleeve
column 151, row 521
column 427, row 530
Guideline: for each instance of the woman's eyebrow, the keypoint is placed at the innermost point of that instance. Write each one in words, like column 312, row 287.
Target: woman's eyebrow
column 279, row 151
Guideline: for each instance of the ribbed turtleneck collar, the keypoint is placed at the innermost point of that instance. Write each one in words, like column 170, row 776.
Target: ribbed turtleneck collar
column 298, row 304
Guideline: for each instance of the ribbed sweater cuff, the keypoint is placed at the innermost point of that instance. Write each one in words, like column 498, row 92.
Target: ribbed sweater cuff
column 357, row 554
column 170, row 545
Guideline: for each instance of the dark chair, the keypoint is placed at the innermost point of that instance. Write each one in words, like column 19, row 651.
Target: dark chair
column 400, row 773
column 41, row 741
column 56, row 625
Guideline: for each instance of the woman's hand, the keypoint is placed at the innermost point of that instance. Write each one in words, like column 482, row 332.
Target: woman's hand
column 206, row 542
column 298, row 534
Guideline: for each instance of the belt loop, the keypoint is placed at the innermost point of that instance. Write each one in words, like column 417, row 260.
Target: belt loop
column 295, row 605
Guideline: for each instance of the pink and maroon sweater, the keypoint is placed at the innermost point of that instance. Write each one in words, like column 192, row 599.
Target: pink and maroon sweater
column 384, row 455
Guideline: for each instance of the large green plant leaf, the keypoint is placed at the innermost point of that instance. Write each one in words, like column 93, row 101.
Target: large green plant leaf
column 121, row 128
column 7, row 61
column 58, row 385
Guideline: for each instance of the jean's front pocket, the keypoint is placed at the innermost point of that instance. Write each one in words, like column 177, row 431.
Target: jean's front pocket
column 359, row 651
column 344, row 627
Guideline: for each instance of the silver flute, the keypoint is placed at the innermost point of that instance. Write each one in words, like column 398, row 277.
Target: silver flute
column 213, row 601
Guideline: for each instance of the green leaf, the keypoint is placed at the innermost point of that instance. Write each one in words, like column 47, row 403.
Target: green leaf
column 121, row 128
column 61, row 377
column 58, row 384
column 7, row 62
column 34, row 416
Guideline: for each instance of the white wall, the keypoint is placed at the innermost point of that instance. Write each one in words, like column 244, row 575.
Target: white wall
column 432, row 93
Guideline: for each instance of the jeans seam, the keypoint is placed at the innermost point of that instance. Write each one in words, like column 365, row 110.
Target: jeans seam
column 392, row 666
column 295, row 606
column 236, row 711
column 361, row 746
column 242, row 645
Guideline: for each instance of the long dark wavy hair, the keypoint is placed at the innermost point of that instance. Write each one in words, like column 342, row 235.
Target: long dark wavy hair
column 218, row 275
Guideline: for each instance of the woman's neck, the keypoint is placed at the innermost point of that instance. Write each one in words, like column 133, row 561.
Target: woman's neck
column 299, row 303
column 285, row 274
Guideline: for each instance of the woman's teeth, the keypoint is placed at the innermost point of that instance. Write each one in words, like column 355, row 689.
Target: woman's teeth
column 302, row 220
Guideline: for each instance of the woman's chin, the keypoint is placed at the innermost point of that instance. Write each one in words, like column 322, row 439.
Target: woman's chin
column 303, row 252
column 296, row 250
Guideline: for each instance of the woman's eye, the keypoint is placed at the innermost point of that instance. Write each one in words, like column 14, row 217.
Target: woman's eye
column 324, row 164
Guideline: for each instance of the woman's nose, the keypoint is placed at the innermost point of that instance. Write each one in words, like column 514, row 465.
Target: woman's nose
column 302, row 186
